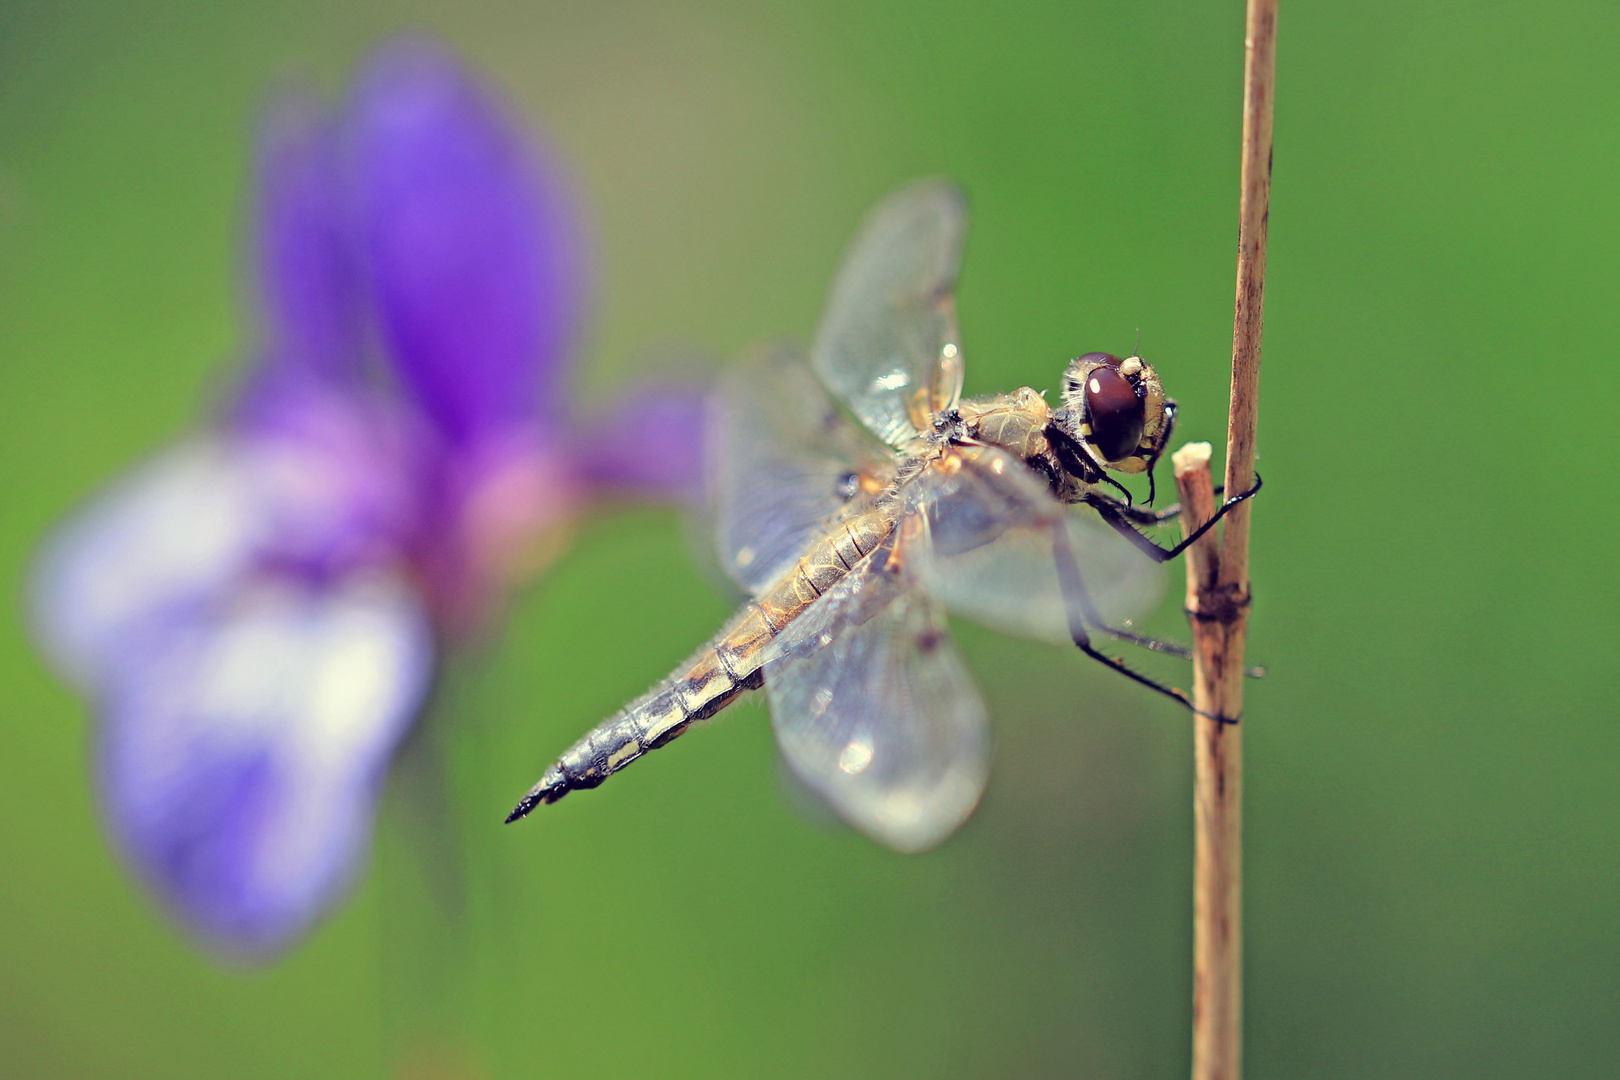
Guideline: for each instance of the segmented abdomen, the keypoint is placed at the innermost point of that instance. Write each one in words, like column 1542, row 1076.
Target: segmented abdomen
column 732, row 663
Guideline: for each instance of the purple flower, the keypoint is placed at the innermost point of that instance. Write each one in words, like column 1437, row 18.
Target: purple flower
column 255, row 612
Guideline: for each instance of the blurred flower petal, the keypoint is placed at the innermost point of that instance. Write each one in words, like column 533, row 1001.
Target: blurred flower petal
column 649, row 446
column 254, row 612
column 474, row 248
column 201, row 516
column 244, row 746
column 336, row 474
column 170, row 534
column 308, row 272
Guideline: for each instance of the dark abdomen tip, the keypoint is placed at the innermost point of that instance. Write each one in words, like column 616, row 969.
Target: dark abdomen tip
column 521, row 810
column 553, row 786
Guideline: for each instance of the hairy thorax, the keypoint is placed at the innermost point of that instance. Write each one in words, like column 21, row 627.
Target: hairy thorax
column 1017, row 423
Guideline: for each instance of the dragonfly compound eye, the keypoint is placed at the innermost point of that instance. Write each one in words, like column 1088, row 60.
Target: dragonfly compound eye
column 1114, row 412
column 1091, row 358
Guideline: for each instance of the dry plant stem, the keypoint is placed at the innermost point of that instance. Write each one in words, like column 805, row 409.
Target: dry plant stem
column 1254, row 211
column 1218, row 601
column 1217, row 789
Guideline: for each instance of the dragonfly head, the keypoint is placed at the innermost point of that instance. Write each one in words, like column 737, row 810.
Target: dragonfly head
column 1117, row 410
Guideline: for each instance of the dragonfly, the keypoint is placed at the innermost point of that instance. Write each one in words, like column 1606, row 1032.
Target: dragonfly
column 859, row 499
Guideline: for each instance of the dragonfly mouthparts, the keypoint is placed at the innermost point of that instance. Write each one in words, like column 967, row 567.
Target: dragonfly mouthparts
column 552, row 786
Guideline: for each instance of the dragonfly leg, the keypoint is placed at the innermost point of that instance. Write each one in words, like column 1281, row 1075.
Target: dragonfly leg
column 1120, row 518
column 1152, row 644
column 1081, row 613
column 1141, row 515
column 1137, row 515
column 1159, row 645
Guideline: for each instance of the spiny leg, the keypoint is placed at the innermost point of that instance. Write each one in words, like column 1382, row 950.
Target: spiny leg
column 1159, row 645
column 1120, row 521
column 1080, row 611
column 1152, row 644
column 1141, row 515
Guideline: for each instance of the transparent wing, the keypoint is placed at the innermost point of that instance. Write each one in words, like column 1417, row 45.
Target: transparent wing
column 995, row 531
column 887, row 344
column 874, row 709
column 784, row 460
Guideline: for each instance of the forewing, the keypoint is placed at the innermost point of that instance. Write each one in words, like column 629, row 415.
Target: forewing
column 997, row 534
column 874, row 709
column 785, row 461
column 887, row 344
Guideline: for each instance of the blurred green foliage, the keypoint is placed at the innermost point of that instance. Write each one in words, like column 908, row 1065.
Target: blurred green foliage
column 1432, row 826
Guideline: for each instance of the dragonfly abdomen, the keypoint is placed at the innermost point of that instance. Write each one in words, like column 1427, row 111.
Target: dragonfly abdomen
column 731, row 664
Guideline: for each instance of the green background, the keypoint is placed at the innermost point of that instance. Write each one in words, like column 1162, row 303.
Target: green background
column 1433, row 834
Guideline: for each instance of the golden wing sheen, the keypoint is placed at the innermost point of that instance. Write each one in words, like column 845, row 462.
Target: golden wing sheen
column 887, row 344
